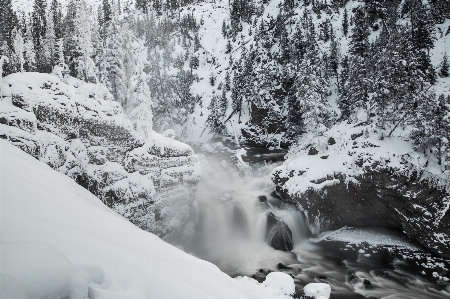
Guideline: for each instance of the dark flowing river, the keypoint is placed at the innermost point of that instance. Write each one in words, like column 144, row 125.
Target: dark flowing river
column 235, row 199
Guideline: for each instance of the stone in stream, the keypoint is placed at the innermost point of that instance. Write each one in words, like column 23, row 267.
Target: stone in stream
column 262, row 198
column 367, row 283
column 278, row 234
column 281, row 266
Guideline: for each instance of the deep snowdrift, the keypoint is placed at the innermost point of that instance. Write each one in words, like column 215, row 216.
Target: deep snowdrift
column 59, row 240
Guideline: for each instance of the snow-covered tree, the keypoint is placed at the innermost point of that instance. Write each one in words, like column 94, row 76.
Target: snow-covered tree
column 19, row 49
column 311, row 94
column 140, row 105
column 85, row 67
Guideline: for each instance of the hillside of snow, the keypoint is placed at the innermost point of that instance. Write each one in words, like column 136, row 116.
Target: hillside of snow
column 60, row 241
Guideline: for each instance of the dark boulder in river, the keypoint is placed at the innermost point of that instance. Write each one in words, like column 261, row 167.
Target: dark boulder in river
column 278, row 234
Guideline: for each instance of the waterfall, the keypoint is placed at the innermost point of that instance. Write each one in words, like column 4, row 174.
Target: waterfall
column 234, row 226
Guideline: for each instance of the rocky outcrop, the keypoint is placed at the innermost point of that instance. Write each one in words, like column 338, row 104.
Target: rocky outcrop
column 359, row 180
column 381, row 199
column 77, row 129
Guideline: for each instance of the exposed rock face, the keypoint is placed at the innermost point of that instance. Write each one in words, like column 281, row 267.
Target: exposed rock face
column 381, row 199
column 77, row 129
column 366, row 182
column 278, row 234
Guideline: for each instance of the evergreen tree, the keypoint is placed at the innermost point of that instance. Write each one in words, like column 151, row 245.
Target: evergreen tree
column 19, row 49
column 345, row 22
column 50, row 44
column 311, row 95
column 139, row 105
column 8, row 21
column 356, row 93
column 422, row 27
column 38, row 29
column 141, row 5
column 444, row 67
column 217, row 108
column 29, row 53
column 359, row 42
column 57, row 17
column 78, row 42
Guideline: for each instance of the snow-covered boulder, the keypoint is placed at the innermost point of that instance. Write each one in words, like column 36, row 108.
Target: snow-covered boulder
column 281, row 283
column 317, row 290
column 357, row 179
column 78, row 129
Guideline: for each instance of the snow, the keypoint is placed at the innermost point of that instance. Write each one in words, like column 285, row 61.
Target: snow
column 318, row 290
column 372, row 237
column 280, row 283
column 59, row 240
column 44, row 270
column 12, row 288
column 356, row 143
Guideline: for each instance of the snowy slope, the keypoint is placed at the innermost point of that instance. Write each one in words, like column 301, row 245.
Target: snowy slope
column 59, row 240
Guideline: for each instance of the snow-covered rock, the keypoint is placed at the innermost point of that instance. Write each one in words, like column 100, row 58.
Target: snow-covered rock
column 78, row 129
column 317, row 290
column 356, row 179
column 280, row 282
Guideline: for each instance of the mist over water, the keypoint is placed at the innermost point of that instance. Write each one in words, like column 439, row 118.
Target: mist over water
column 231, row 232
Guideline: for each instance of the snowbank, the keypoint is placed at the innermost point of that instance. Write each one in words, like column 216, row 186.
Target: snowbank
column 59, row 240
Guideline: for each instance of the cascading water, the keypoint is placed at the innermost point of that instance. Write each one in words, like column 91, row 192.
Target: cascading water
column 234, row 230
column 239, row 216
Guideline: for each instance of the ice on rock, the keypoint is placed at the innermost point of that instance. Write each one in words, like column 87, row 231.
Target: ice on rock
column 280, row 283
column 317, row 290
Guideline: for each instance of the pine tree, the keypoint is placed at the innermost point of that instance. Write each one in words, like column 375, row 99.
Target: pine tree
column 79, row 43
column 50, row 44
column 224, row 29
column 227, row 81
column 56, row 14
column 217, row 108
column 38, row 29
column 345, row 22
column 442, row 127
column 359, row 42
column 311, row 95
column 444, row 67
column 29, row 53
column 105, row 19
column 422, row 27
column 8, row 21
column 19, row 49
column 139, row 105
